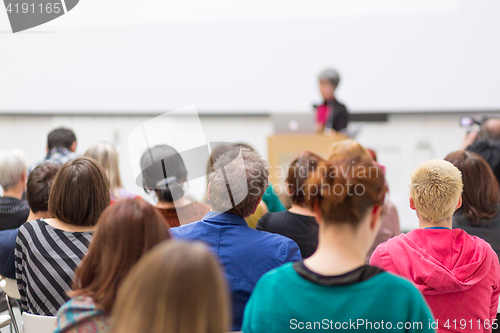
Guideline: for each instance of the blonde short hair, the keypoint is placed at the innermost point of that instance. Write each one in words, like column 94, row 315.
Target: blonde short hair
column 435, row 188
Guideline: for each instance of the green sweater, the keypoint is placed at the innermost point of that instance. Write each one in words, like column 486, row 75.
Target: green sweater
column 365, row 300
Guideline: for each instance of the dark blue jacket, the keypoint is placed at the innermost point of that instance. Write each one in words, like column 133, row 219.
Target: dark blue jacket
column 245, row 253
column 7, row 247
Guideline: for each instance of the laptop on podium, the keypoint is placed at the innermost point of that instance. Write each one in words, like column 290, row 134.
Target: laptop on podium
column 293, row 123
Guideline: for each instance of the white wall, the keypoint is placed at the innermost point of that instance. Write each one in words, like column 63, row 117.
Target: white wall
column 254, row 55
column 401, row 143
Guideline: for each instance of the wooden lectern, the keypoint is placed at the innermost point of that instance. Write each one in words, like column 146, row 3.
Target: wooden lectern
column 283, row 148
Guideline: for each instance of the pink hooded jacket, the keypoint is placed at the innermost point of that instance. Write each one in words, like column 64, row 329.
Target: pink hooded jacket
column 458, row 274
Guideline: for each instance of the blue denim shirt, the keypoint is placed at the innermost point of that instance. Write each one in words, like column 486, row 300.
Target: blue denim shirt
column 245, row 253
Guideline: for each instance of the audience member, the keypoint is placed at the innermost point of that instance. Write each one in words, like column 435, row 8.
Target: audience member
column 125, row 231
column 389, row 219
column 221, row 149
column 164, row 172
column 298, row 223
column 39, row 185
column 489, row 131
column 270, row 198
column 490, row 151
column 334, row 286
column 479, row 214
column 344, row 149
column 107, row 156
column 458, row 274
column 49, row 249
column 61, row 147
column 177, row 287
column 331, row 114
column 217, row 152
column 14, row 209
column 236, row 186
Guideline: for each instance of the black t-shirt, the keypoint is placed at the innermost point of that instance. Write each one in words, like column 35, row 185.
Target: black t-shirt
column 489, row 230
column 300, row 228
column 13, row 212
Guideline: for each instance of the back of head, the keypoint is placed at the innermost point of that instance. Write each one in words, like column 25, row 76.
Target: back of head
column 216, row 153
column 12, row 165
column 177, row 287
column 61, row 138
column 490, row 151
column 298, row 172
column 163, row 170
column 330, row 75
column 372, row 153
column 126, row 230
column 490, row 130
column 435, row 188
column 107, row 156
column 346, row 149
column 481, row 194
column 39, row 185
column 80, row 192
column 238, row 182
column 344, row 190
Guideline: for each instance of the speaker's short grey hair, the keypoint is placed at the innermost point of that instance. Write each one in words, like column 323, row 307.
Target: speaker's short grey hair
column 330, row 75
column 12, row 165
column 238, row 181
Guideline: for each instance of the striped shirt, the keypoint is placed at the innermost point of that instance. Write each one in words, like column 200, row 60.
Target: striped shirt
column 46, row 258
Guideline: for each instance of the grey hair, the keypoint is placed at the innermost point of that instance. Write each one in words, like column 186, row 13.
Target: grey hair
column 330, row 75
column 12, row 165
column 238, row 181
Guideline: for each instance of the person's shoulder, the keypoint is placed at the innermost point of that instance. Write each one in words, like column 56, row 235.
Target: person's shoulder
column 80, row 303
column 8, row 234
column 400, row 285
column 8, row 238
column 269, row 237
column 268, row 242
column 187, row 230
column 401, row 238
column 271, row 218
column 78, row 310
column 29, row 226
column 276, row 276
column 464, row 238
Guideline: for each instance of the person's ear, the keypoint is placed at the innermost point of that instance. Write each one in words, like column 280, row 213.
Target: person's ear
column 317, row 214
column 412, row 204
column 375, row 217
column 256, row 206
column 47, row 149
column 459, row 204
column 73, row 147
column 289, row 190
column 208, row 192
column 24, row 177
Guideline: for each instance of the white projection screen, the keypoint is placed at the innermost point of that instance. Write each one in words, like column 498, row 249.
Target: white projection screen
column 240, row 56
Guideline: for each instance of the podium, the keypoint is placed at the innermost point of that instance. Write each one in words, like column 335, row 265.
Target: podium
column 284, row 148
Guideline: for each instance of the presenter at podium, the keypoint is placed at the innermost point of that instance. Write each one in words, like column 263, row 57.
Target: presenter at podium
column 331, row 114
